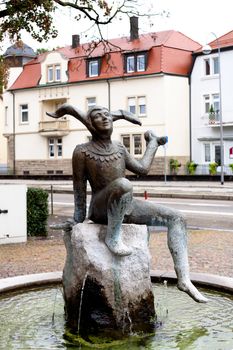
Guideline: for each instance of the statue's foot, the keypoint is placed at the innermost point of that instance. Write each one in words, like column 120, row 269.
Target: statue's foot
column 118, row 247
column 65, row 226
column 191, row 290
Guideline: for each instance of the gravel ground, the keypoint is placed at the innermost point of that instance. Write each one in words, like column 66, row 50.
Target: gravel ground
column 209, row 252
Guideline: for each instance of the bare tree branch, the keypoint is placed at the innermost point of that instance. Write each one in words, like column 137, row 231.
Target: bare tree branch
column 36, row 17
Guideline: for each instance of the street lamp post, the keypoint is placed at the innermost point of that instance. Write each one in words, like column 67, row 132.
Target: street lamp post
column 207, row 50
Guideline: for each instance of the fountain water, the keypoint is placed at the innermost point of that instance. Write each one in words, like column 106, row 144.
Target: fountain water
column 81, row 301
column 187, row 325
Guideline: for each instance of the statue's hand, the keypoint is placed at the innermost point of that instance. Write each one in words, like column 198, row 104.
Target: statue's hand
column 162, row 140
column 149, row 136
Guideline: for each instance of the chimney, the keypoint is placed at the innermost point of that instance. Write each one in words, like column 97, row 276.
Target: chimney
column 75, row 41
column 133, row 28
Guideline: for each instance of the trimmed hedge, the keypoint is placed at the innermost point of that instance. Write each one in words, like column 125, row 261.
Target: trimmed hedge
column 37, row 212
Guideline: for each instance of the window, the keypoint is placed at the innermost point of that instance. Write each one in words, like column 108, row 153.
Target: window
column 134, row 143
column 216, row 105
column 207, row 66
column 137, row 105
column 141, row 63
column 137, row 144
column 130, row 64
column 135, row 63
column 59, row 147
column 132, row 105
column 215, row 65
column 141, row 106
column 55, row 148
column 57, row 73
column 217, row 154
column 212, row 104
column 211, row 66
column 24, row 113
column 212, row 153
column 207, row 152
column 126, row 142
column 93, row 68
column 50, row 73
column 6, row 116
column 207, row 103
column 91, row 102
column 53, row 73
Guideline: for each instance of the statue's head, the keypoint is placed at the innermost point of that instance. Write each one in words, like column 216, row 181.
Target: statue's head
column 101, row 121
column 98, row 120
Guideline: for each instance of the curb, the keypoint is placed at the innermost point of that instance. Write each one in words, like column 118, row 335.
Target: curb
column 28, row 281
column 164, row 195
column 44, row 279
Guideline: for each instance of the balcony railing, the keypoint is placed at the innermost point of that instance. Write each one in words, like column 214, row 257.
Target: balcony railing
column 54, row 127
column 214, row 118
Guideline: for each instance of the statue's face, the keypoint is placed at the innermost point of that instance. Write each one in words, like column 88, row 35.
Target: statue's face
column 101, row 120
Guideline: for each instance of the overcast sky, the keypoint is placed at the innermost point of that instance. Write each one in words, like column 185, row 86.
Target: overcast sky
column 194, row 18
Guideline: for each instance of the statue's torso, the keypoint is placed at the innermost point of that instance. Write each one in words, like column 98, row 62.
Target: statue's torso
column 103, row 163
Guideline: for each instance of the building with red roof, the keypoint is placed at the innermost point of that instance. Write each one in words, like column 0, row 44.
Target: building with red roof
column 211, row 96
column 145, row 74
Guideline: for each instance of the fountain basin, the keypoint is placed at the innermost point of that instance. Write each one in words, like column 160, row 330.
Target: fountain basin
column 182, row 323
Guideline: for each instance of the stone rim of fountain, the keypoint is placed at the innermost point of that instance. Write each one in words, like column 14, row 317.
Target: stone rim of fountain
column 205, row 280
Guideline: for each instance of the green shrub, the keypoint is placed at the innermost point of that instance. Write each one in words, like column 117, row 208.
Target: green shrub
column 174, row 165
column 231, row 166
column 37, row 212
column 191, row 167
column 213, row 168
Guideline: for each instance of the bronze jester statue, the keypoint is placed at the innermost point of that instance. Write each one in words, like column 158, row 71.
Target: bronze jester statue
column 103, row 162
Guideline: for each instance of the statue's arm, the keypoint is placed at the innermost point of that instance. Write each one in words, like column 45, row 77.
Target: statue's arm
column 79, row 185
column 142, row 166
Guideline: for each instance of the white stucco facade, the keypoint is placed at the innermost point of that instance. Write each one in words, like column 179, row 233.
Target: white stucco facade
column 167, row 113
column 3, row 141
column 158, row 94
column 205, row 130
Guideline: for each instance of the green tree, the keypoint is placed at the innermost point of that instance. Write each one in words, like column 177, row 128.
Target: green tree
column 41, row 50
column 36, row 16
column 4, row 73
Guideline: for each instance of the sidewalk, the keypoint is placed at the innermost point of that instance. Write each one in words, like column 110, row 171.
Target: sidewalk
column 209, row 252
column 175, row 189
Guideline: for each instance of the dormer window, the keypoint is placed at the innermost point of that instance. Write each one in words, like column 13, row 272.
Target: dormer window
column 135, row 62
column 93, row 67
column 53, row 73
column 130, row 64
column 141, row 63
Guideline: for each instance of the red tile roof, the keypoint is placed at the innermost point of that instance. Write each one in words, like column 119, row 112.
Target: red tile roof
column 169, row 52
column 29, row 77
column 223, row 41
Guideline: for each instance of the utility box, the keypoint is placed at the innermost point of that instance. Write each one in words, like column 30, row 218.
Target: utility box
column 13, row 214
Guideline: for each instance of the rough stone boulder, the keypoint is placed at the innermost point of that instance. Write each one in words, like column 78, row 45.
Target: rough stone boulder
column 104, row 292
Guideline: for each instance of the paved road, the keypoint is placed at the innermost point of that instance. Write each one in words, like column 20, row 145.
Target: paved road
column 199, row 213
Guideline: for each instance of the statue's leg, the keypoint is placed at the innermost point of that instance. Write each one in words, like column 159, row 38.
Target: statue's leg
column 152, row 214
column 115, row 201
